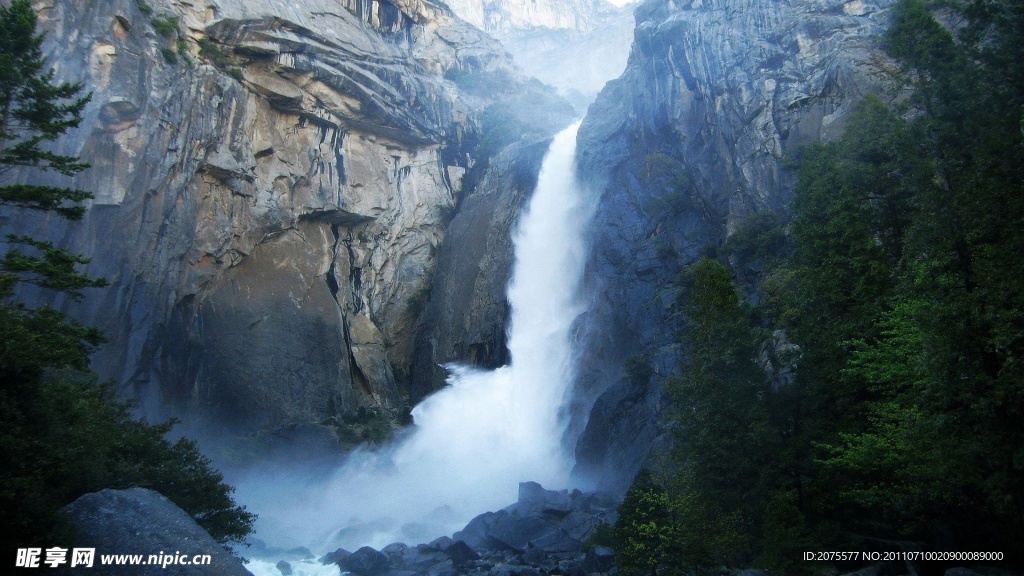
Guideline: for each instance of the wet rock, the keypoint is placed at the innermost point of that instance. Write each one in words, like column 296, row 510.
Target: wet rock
column 141, row 521
column 475, row 534
column 534, row 533
column 365, row 562
column 516, row 532
column 445, row 568
column 420, row 558
column 440, row 543
column 534, row 499
column 336, row 557
column 460, row 554
column 285, row 568
column 467, row 314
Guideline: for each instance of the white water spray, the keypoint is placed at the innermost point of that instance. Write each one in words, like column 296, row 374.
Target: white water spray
column 477, row 438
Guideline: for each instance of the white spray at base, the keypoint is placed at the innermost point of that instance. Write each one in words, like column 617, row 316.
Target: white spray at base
column 477, row 438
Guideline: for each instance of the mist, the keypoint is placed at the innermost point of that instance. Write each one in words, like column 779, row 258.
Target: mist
column 486, row 431
column 577, row 62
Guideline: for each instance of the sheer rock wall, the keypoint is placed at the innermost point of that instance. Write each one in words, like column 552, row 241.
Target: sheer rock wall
column 720, row 92
column 272, row 182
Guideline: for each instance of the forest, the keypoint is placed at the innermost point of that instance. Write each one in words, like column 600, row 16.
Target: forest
column 865, row 391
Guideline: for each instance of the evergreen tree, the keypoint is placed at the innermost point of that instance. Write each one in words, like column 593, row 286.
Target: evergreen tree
column 34, row 111
column 645, row 532
column 723, row 448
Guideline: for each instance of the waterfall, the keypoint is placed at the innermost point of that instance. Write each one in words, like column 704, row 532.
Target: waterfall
column 477, row 438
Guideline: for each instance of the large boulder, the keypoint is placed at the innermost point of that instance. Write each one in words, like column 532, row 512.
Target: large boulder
column 365, row 562
column 143, row 523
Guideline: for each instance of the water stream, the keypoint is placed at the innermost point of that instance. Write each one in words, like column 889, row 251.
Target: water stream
column 485, row 432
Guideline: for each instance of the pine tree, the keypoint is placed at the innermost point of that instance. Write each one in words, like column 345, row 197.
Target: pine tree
column 34, row 111
column 722, row 445
column 645, row 532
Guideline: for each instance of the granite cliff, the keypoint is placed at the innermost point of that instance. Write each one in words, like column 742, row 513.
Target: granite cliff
column 691, row 140
column 573, row 45
column 499, row 16
column 272, row 182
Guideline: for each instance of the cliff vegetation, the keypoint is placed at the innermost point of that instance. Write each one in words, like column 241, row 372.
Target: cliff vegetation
column 863, row 390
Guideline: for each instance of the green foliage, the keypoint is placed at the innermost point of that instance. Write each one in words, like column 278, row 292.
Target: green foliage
column 603, row 535
column 33, row 111
column 75, row 438
column 165, row 25
column 670, row 188
column 209, row 50
column 729, row 465
column 364, row 425
column 761, row 237
column 169, row 55
column 418, row 300
column 144, row 7
column 638, row 371
column 53, row 268
column 645, row 531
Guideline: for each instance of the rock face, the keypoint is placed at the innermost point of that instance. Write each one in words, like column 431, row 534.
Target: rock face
column 577, row 62
column 467, row 313
column 685, row 145
column 140, row 521
column 573, row 45
column 272, row 183
column 499, row 16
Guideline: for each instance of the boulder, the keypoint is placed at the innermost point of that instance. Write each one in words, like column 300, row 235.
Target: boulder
column 420, row 558
column 141, row 521
column 461, row 554
column 534, row 499
column 475, row 533
column 336, row 557
column 515, row 532
column 365, row 562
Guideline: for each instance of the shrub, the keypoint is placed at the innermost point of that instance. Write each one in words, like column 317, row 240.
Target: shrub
column 165, row 25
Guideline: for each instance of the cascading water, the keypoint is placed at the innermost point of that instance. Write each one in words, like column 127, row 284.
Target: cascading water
column 476, row 439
